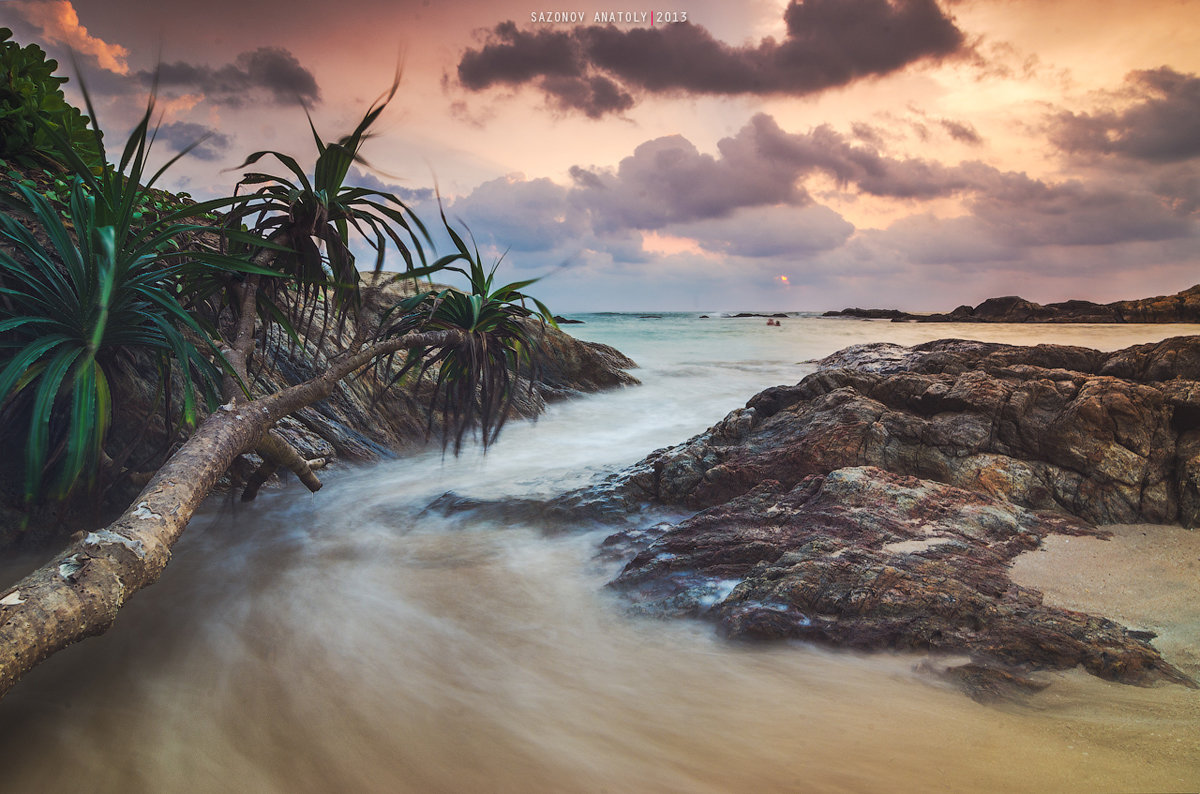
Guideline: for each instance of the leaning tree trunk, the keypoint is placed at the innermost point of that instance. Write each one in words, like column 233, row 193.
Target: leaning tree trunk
column 77, row 593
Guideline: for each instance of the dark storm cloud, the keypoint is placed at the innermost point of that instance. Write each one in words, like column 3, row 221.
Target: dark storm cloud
column 595, row 95
column 825, row 150
column 181, row 134
column 1029, row 212
column 829, row 43
column 524, row 215
column 867, row 134
column 515, row 57
column 270, row 71
column 1162, row 126
column 668, row 180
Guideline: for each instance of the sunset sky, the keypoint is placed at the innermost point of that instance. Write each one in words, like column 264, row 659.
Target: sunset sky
column 761, row 155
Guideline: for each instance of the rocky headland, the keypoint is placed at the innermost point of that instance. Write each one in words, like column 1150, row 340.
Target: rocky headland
column 879, row 503
column 1182, row 307
column 361, row 421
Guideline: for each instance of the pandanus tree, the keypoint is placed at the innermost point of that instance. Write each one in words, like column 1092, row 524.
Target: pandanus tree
column 476, row 380
column 210, row 293
column 106, row 275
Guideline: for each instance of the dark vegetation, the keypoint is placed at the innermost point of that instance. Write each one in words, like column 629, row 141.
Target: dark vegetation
column 35, row 117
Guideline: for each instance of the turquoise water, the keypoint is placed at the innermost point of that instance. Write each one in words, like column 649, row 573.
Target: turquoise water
column 353, row 641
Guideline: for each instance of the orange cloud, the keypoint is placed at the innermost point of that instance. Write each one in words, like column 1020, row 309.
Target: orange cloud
column 174, row 108
column 59, row 22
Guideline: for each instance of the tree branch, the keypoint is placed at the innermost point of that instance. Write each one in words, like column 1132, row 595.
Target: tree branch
column 78, row 592
column 275, row 450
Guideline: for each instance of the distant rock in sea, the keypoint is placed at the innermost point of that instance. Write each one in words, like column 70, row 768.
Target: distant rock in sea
column 778, row 315
column 1182, row 307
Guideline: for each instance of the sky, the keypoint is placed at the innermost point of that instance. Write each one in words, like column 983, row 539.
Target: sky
column 707, row 155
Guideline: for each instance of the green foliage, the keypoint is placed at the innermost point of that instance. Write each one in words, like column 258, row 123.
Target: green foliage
column 475, row 382
column 98, row 266
column 79, row 291
column 313, row 214
column 35, row 117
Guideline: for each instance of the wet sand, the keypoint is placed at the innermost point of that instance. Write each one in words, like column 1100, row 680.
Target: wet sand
column 281, row 653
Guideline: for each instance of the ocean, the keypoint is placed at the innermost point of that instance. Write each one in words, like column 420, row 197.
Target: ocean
column 353, row 640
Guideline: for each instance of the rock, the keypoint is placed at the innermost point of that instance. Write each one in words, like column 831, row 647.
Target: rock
column 986, row 683
column 1182, row 307
column 566, row 366
column 1035, row 426
column 564, row 321
column 870, row 314
column 879, row 502
column 865, row 558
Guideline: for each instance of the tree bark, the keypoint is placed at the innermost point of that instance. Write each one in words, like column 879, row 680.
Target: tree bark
column 77, row 593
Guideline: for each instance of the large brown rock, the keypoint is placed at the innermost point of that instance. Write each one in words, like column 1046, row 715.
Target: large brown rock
column 1037, row 426
column 879, row 502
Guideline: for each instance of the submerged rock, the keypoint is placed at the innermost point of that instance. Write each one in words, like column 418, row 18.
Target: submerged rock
column 879, row 502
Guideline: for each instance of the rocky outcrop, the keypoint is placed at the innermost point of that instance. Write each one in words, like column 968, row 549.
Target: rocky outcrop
column 878, row 502
column 1097, row 435
column 567, row 367
column 871, row 314
column 365, row 421
column 1182, row 307
column 865, row 558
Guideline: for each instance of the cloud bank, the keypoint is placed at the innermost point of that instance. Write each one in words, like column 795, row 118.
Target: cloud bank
column 270, row 72
column 753, row 210
column 1162, row 125
column 602, row 70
